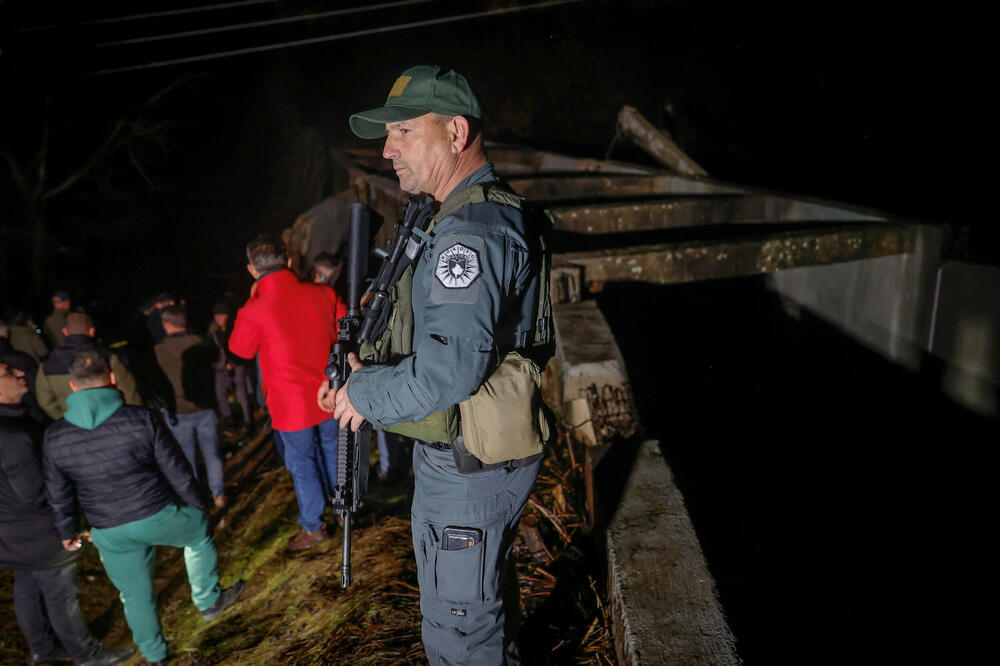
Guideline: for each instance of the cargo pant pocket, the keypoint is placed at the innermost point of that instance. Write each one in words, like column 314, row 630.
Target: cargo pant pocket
column 458, row 574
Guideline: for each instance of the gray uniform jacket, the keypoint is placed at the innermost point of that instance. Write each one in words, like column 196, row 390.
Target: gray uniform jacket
column 474, row 294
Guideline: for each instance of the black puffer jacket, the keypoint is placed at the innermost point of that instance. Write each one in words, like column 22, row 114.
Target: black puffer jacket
column 28, row 537
column 126, row 468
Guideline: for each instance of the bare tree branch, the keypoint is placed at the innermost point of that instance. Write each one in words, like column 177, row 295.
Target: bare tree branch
column 15, row 171
column 40, row 164
column 104, row 149
column 119, row 136
column 138, row 167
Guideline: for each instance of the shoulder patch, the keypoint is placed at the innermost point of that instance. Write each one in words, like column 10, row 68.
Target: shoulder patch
column 457, row 266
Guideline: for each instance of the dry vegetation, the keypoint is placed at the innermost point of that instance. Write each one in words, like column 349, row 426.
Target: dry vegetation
column 294, row 611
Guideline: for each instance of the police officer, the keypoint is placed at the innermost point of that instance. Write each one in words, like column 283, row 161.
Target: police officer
column 473, row 298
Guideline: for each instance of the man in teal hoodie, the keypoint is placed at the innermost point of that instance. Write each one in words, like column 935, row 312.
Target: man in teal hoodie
column 137, row 490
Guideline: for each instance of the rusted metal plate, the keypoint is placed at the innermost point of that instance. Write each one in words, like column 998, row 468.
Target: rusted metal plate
column 368, row 158
column 508, row 160
column 707, row 260
column 672, row 213
column 513, row 160
column 552, row 188
column 716, row 204
column 693, row 211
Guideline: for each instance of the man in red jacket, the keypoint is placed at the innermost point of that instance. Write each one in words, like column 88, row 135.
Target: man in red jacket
column 292, row 324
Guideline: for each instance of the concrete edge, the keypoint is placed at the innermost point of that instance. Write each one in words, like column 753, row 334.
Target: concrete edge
column 663, row 599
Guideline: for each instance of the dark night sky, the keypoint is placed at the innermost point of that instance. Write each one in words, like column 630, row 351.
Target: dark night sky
column 841, row 102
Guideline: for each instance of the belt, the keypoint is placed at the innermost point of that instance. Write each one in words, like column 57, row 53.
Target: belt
column 440, row 446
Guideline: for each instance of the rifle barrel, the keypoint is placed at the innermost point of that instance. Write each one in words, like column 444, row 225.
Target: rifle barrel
column 345, row 565
column 357, row 257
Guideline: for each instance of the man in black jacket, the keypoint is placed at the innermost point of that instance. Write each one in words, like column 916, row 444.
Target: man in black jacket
column 138, row 491
column 52, row 383
column 44, row 571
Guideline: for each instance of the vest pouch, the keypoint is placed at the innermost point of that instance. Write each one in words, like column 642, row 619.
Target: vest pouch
column 438, row 427
column 504, row 420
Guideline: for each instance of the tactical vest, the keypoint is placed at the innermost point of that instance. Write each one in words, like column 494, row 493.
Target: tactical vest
column 396, row 340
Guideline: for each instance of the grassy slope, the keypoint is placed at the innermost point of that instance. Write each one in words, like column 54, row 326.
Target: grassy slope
column 294, row 611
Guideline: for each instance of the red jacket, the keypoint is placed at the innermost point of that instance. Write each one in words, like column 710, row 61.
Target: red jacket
column 291, row 324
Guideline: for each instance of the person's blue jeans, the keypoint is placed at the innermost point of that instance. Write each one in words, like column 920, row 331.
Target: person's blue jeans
column 311, row 456
column 384, row 455
column 200, row 430
column 393, row 454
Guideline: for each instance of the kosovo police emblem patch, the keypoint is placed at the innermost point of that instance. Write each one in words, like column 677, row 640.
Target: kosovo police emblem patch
column 457, row 267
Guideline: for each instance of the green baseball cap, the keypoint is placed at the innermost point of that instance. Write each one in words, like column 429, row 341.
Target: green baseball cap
column 419, row 90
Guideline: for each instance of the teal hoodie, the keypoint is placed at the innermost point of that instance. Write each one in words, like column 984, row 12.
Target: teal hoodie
column 90, row 408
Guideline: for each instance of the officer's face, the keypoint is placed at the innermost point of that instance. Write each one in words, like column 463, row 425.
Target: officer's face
column 420, row 150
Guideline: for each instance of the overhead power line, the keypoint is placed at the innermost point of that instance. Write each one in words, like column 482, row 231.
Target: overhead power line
column 332, row 37
column 259, row 24
column 166, row 12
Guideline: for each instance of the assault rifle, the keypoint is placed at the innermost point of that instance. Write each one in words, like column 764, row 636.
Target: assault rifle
column 404, row 251
column 353, row 448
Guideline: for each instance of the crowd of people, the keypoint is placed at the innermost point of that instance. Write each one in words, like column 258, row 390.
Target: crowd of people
column 133, row 438
column 131, row 435
column 84, row 427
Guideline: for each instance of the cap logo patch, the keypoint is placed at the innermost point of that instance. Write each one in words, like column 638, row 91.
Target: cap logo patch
column 457, row 267
column 399, row 86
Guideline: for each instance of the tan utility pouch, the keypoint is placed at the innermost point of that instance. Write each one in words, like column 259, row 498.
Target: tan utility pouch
column 504, row 419
column 437, row 427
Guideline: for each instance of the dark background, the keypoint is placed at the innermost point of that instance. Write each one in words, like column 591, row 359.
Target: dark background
column 845, row 505
column 852, row 102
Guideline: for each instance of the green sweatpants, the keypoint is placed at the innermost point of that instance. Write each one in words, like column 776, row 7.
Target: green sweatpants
column 129, row 555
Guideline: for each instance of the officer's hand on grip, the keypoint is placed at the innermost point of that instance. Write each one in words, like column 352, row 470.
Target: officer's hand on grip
column 344, row 411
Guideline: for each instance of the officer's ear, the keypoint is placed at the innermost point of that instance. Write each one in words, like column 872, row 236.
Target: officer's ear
column 458, row 133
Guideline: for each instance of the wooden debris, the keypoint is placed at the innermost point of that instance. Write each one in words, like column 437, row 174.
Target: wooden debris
column 534, row 542
column 656, row 142
column 563, row 593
